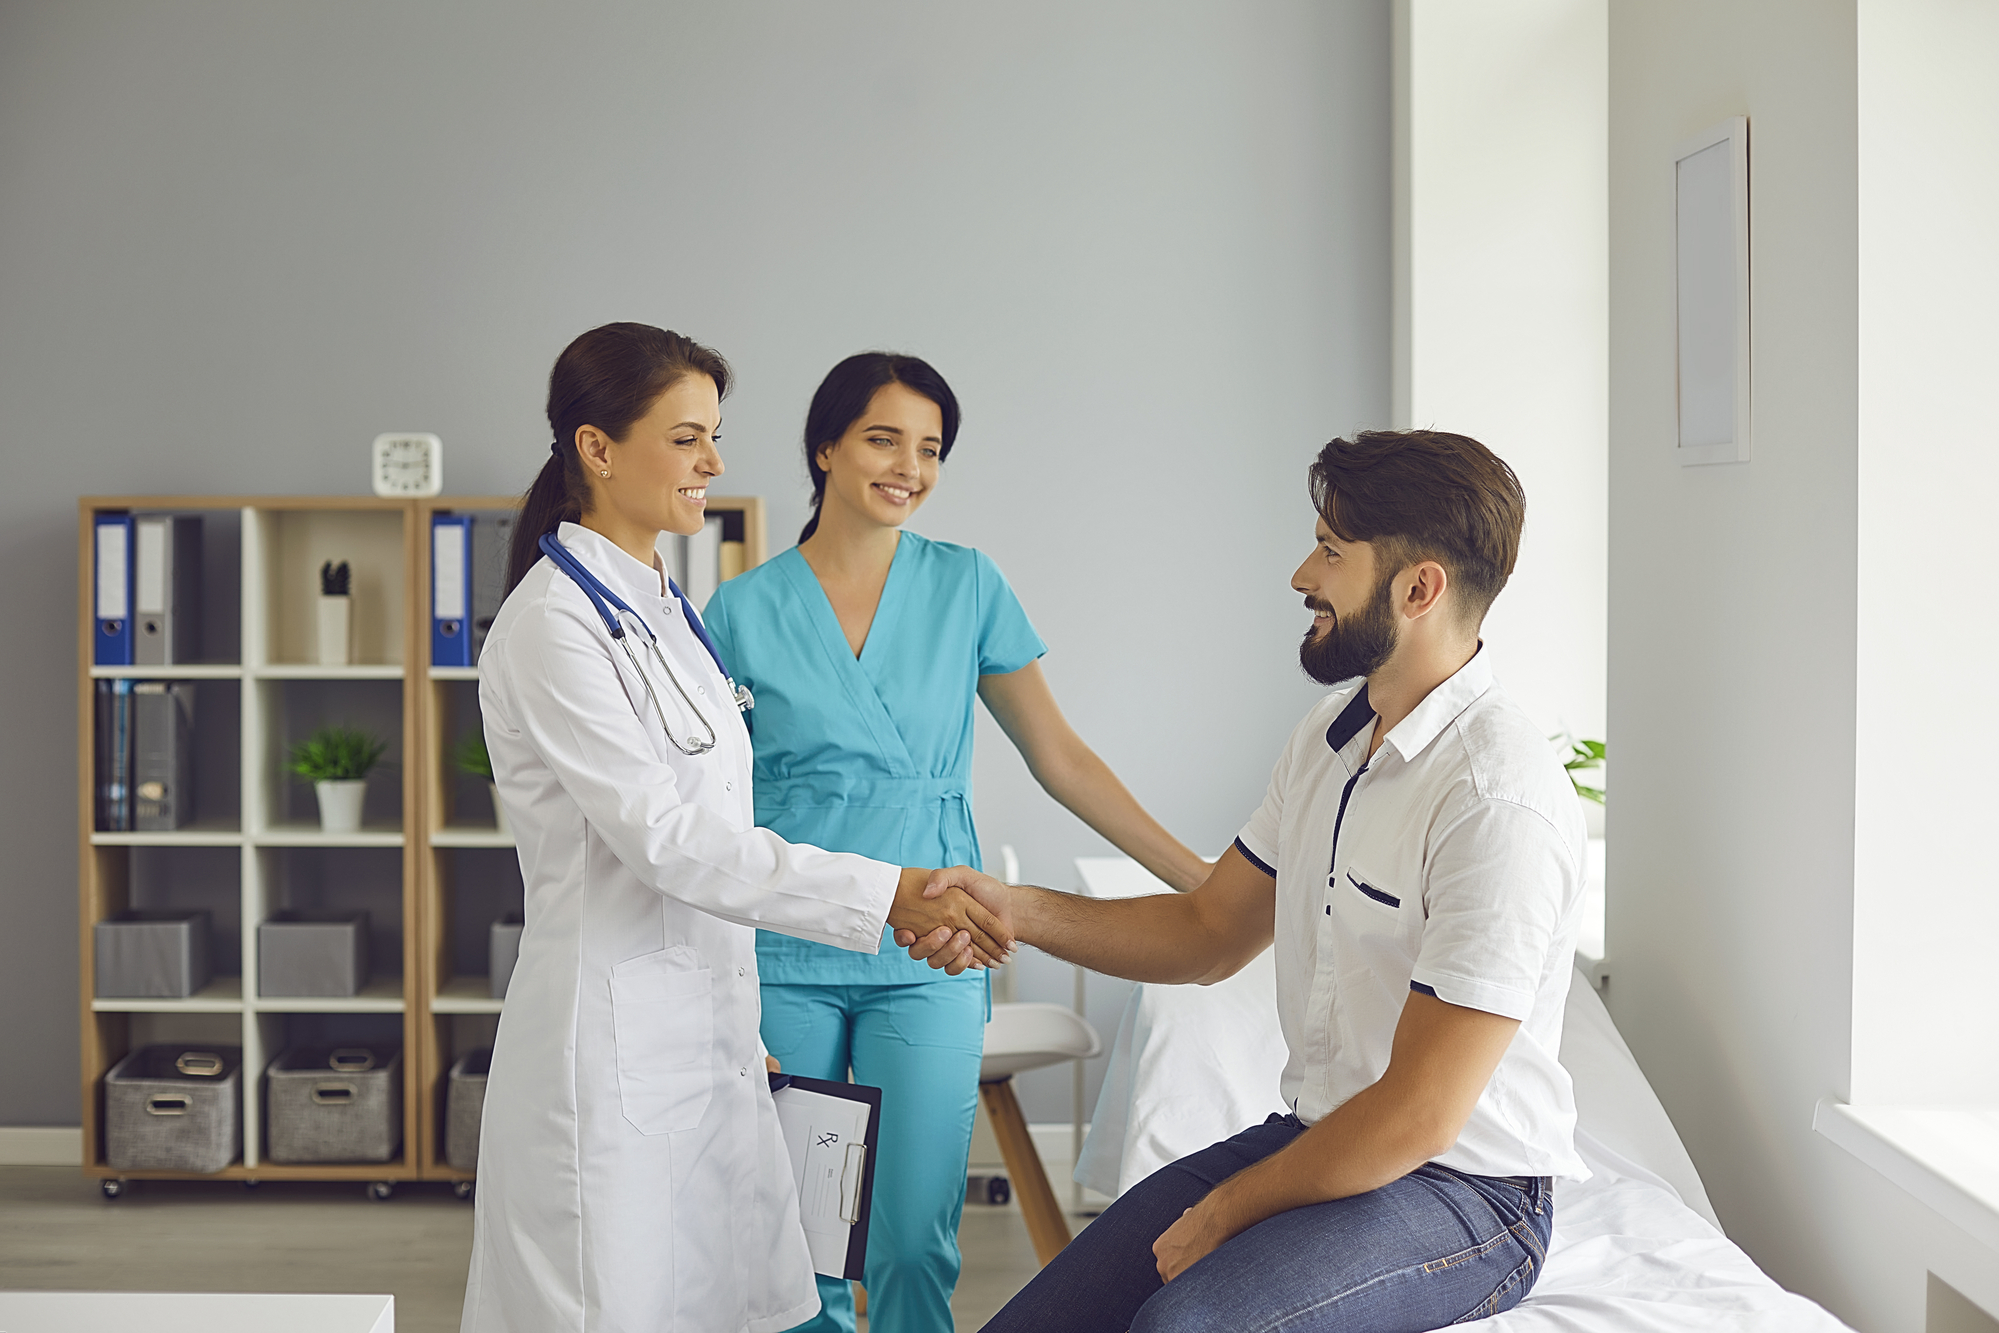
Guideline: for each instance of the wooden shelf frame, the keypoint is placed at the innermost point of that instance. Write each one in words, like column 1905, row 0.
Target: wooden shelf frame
column 111, row 1027
column 440, row 1013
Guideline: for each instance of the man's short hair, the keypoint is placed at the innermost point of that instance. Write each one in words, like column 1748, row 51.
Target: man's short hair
column 1425, row 495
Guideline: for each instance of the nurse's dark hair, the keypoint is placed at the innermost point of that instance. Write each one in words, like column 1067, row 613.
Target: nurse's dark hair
column 844, row 396
column 608, row 378
column 1420, row 495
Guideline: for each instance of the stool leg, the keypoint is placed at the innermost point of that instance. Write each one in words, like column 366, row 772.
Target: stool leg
column 1046, row 1226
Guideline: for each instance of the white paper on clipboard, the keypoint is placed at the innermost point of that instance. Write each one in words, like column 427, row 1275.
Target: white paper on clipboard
column 826, row 1138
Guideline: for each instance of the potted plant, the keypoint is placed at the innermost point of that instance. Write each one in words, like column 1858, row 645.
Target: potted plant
column 336, row 614
column 1585, row 757
column 473, row 761
column 336, row 760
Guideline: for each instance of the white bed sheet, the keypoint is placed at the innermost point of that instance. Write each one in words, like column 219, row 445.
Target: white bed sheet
column 1636, row 1247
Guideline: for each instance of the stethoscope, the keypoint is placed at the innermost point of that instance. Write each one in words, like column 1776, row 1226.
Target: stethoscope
column 605, row 600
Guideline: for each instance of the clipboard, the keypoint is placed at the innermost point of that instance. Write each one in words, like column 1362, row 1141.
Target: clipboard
column 831, row 1131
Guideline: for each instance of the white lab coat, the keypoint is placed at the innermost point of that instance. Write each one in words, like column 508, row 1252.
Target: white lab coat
column 631, row 1174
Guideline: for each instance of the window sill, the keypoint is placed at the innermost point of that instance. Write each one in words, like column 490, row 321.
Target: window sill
column 1946, row 1156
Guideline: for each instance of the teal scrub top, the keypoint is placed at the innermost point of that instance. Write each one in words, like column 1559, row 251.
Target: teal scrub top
column 870, row 754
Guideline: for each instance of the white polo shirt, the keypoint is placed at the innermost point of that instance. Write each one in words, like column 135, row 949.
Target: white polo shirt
column 1450, row 863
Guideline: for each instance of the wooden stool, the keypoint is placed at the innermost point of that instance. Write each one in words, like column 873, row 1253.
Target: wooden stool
column 1020, row 1037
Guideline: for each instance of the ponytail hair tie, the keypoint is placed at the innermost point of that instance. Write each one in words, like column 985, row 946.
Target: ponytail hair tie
column 555, row 447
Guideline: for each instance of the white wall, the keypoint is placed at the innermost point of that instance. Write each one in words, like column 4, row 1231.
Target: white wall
column 1148, row 242
column 1926, row 913
column 1501, row 303
column 1739, row 608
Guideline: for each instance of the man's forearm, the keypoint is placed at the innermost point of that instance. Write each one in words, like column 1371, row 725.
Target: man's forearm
column 1158, row 939
column 1364, row 1144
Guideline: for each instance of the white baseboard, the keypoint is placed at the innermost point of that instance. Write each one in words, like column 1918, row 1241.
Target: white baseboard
column 39, row 1145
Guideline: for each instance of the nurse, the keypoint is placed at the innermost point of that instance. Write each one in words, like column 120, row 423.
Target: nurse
column 866, row 645
column 631, row 1174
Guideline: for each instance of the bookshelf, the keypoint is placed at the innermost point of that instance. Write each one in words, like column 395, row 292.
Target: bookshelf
column 428, row 863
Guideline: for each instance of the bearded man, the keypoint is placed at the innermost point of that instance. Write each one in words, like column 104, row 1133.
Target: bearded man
column 1418, row 859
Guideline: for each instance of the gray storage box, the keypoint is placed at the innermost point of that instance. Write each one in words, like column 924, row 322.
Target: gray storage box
column 503, row 950
column 343, row 1104
column 464, row 1104
column 313, row 954
column 152, row 955
column 174, row 1108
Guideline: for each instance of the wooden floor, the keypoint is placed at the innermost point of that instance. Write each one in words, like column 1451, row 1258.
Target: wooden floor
column 57, row 1233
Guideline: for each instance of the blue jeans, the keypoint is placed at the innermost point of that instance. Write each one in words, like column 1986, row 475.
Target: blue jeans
column 1436, row 1247
column 920, row 1045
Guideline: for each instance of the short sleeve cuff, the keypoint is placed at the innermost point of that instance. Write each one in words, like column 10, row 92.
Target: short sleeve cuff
column 1467, row 993
column 1006, row 665
column 1262, row 860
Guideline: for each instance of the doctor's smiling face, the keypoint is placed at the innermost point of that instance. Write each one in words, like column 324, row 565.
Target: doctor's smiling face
column 885, row 464
column 659, row 472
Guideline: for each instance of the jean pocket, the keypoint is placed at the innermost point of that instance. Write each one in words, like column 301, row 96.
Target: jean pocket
column 663, row 1026
column 1504, row 1297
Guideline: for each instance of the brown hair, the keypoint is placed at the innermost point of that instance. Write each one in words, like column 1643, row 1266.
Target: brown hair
column 607, row 378
column 1426, row 495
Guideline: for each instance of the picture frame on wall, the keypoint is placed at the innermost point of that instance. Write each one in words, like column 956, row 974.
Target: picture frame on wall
column 1711, row 294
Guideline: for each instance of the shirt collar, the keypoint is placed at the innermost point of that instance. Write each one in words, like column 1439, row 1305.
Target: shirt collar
column 612, row 563
column 1441, row 707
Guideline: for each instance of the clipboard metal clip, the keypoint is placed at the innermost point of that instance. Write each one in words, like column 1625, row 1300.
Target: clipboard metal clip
column 850, row 1183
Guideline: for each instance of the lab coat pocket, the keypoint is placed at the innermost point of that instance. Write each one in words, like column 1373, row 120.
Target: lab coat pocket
column 663, row 1024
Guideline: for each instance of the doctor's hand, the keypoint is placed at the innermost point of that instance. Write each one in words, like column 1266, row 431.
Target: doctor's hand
column 991, row 894
column 952, row 928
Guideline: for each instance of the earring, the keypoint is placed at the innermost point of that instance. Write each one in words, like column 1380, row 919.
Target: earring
column 603, row 474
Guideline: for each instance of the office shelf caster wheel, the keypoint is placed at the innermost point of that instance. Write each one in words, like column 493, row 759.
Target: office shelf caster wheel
column 462, row 1188
column 112, row 1188
column 381, row 1190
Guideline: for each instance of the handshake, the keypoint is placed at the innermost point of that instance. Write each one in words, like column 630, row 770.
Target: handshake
column 955, row 918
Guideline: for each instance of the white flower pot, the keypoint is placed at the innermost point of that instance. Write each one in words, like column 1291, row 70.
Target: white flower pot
column 499, row 811
column 336, row 631
column 340, row 804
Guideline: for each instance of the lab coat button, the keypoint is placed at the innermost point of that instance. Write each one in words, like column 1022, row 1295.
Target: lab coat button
column 742, row 971
column 744, row 1072
column 701, row 689
column 728, row 786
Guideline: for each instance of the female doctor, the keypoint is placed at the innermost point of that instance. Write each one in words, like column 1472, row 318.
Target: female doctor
column 631, row 1174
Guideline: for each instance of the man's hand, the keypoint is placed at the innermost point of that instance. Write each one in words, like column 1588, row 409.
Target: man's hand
column 947, row 924
column 1193, row 1238
column 990, row 894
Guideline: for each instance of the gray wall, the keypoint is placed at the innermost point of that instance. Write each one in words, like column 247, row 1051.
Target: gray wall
column 1148, row 242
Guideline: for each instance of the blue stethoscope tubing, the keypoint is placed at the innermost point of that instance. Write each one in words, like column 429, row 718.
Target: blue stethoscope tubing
column 609, row 604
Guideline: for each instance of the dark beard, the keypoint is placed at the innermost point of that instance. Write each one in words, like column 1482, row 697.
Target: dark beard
column 1357, row 646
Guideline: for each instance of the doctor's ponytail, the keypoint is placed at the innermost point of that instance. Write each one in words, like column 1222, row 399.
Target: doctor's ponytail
column 608, row 378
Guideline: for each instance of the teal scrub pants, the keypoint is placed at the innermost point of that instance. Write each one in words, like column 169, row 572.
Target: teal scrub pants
column 920, row 1044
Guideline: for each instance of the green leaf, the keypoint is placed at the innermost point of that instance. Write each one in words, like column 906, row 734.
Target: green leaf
column 336, row 754
column 472, row 757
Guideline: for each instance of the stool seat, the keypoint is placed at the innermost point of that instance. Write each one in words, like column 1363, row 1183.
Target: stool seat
column 1030, row 1035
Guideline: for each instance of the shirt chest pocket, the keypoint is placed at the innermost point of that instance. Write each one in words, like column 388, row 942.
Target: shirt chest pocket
column 663, row 1025
column 1371, row 904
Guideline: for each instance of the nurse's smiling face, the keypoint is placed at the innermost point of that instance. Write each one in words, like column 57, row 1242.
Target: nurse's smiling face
column 885, row 465
column 659, row 473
